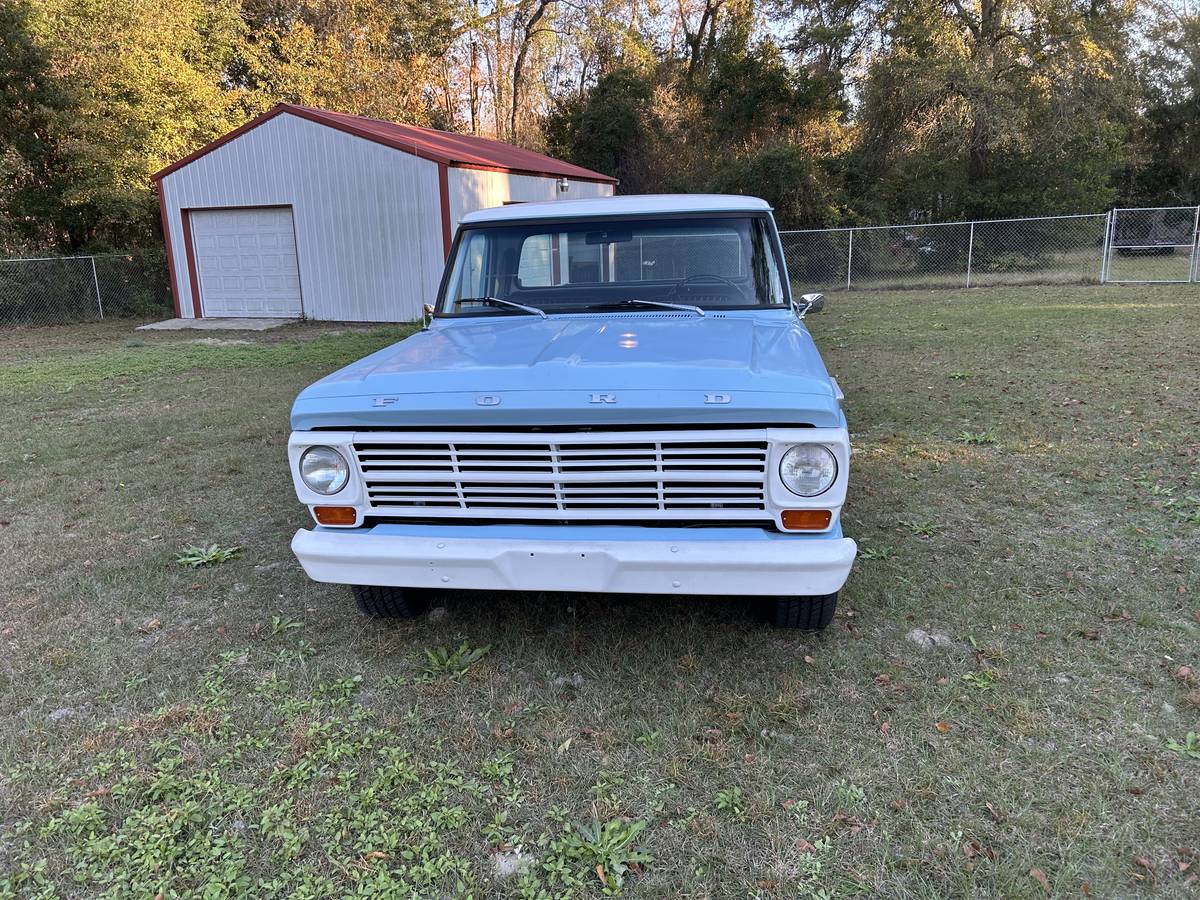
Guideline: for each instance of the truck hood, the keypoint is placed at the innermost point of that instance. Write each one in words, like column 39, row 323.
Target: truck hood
column 638, row 369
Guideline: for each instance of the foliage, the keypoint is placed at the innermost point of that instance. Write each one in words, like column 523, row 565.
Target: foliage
column 1167, row 169
column 611, row 129
column 141, row 84
column 797, row 186
column 608, row 849
column 442, row 661
column 978, row 438
column 731, row 800
column 1188, row 749
column 837, row 111
column 970, row 104
column 194, row 557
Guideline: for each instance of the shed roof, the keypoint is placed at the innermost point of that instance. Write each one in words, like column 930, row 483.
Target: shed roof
column 459, row 150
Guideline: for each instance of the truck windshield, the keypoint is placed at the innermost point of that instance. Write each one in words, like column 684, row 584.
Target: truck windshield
column 713, row 262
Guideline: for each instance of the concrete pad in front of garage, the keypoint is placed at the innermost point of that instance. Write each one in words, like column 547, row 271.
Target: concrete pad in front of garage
column 217, row 324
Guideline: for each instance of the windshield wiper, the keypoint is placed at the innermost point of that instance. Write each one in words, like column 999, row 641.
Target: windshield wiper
column 496, row 301
column 638, row 301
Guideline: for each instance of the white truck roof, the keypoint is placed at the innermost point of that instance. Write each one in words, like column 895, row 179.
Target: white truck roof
column 629, row 205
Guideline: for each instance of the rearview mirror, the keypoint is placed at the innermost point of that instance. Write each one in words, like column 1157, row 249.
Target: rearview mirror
column 808, row 303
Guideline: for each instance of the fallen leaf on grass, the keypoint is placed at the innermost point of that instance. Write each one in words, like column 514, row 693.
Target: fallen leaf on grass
column 149, row 625
column 853, row 824
column 600, row 872
column 1090, row 634
column 972, row 849
column 943, row 727
column 1040, row 877
column 1122, row 616
column 805, row 847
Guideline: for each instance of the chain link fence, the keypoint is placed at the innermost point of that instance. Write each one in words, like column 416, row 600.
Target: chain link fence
column 1153, row 246
column 1143, row 246
column 58, row 290
column 1124, row 246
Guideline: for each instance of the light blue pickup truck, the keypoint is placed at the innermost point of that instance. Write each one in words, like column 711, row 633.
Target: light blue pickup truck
column 614, row 395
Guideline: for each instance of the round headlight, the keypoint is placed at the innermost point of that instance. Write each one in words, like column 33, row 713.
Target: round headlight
column 808, row 469
column 324, row 470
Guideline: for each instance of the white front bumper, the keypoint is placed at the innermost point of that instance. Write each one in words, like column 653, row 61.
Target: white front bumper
column 740, row 562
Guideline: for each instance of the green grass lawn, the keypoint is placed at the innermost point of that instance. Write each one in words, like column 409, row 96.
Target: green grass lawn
column 1026, row 483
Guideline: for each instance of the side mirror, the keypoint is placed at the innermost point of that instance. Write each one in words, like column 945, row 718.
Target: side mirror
column 808, row 303
column 427, row 309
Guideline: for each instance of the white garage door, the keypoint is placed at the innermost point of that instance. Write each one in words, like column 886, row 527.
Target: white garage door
column 246, row 261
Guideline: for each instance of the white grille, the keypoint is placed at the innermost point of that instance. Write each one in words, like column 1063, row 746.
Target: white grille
column 599, row 476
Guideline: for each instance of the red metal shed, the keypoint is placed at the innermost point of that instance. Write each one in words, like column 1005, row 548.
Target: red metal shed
column 307, row 212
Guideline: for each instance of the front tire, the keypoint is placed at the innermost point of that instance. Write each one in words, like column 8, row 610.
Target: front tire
column 803, row 613
column 390, row 602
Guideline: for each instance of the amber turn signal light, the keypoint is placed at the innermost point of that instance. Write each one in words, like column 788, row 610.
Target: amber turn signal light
column 335, row 515
column 806, row 519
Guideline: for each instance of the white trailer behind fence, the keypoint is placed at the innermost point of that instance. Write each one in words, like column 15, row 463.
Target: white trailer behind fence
column 1123, row 246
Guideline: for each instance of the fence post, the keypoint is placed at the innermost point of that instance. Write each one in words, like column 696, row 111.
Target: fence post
column 849, row 259
column 96, row 282
column 970, row 252
column 1106, row 245
column 1195, row 238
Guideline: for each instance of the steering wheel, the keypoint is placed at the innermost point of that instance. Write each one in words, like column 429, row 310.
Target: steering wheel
column 683, row 281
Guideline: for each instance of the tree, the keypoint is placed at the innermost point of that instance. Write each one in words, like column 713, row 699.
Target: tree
column 141, row 86
column 971, row 102
column 837, row 110
column 31, row 103
column 610, row 129
column 1169, row 135
column 376, row 58
column 802, row 193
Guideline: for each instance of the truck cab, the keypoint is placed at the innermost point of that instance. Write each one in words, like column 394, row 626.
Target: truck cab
column 613, row 395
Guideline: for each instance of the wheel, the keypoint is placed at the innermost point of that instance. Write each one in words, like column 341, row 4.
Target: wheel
column 805, row 613
column 390, row 602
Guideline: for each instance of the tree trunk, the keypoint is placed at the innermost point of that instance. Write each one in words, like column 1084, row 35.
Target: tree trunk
column 519, row 64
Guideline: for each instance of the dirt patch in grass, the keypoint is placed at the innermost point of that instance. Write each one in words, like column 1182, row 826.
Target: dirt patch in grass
column 238, row 726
